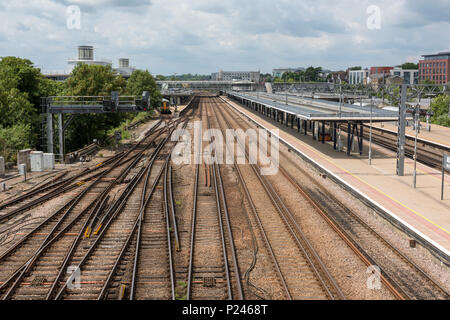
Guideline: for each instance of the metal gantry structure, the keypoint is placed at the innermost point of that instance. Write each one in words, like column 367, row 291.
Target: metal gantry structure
column 406, row 97
column 75, row 105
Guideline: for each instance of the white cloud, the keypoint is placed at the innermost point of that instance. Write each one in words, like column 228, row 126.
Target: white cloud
column 205, row 35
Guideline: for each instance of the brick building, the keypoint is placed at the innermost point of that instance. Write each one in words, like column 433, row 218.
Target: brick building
column 380, row 70
column 435, row 67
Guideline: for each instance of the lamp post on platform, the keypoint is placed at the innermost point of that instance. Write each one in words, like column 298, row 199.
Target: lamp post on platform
column 416, row 125
column 340, row 112
column 370, row 135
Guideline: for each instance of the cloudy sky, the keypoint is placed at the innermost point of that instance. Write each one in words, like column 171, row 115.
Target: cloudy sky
column 203, row 36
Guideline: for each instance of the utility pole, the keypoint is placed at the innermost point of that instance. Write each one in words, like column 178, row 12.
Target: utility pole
column 286, row 93
column 416, row 124
column 402, row 132
column 340, row 112
column 370, row 134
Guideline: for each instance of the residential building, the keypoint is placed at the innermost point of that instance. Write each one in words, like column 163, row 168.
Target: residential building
column 335, row 76
column 381, row 70
column 395, row 80
column 253, row 76
column 358, row 76
column 410, row 76
column 435, row 67
column 376, row 80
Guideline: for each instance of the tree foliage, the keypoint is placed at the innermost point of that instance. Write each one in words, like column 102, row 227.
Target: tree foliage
column 21, row 86
column 440, row 107
column 141, row 81
column 92, row 80
column 14, row 138
column 311, row 74
column 410, row 66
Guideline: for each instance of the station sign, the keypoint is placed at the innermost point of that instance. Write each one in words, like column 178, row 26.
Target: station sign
column 446, row 162
column 445, row 167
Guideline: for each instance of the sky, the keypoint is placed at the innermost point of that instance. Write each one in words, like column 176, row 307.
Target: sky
column 204, row 36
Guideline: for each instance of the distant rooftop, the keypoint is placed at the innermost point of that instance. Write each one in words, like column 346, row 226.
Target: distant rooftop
column 445, row 54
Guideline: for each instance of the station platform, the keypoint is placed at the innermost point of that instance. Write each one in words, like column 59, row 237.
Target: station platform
column 438, row 134
column 418, row 211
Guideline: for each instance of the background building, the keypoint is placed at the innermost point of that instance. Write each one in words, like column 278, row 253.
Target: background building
column 435, row 67
column 380, row 70
column 253, row 76
column 358, row 76
column 409, row 76
column 124, row 68
column 86, row 56
column 335, row 76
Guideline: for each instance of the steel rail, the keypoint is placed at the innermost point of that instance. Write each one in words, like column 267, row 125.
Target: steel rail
column 321, row 272
column 141, row 216
column 260, row 225
column 393, row 286
column 173, row 213
column 50, row 239
column 169, row 238
column 127, row 243
column 193, row 219
column 213, row 159
column 65, row 182
column 218, row 181
column 114, row 210
column 396, row 290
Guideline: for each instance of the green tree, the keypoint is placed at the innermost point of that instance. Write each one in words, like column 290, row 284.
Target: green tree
column 92, row 80
column 21, row 86
column 355, row 68
column 141, row 81
column 22, row 75
column 440, row 108
column 312, row 74
column 410, row 66
column 14, row 138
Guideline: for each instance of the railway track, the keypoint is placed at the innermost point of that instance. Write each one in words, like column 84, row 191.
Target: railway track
column 426, row 154
column 111, row 260
column 301, row 273
column 14, row 210
column 35, row 264
column 213, row 272
column 399, row 273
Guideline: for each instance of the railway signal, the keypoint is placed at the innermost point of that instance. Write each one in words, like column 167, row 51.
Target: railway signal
column 144, row 103
column 113, row 104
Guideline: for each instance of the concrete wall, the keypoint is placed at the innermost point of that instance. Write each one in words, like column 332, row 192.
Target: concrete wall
column 2, row 166
column 37, row 161
column 49, row 161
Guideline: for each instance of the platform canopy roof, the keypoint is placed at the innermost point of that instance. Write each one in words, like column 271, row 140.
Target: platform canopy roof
column 318, row 110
